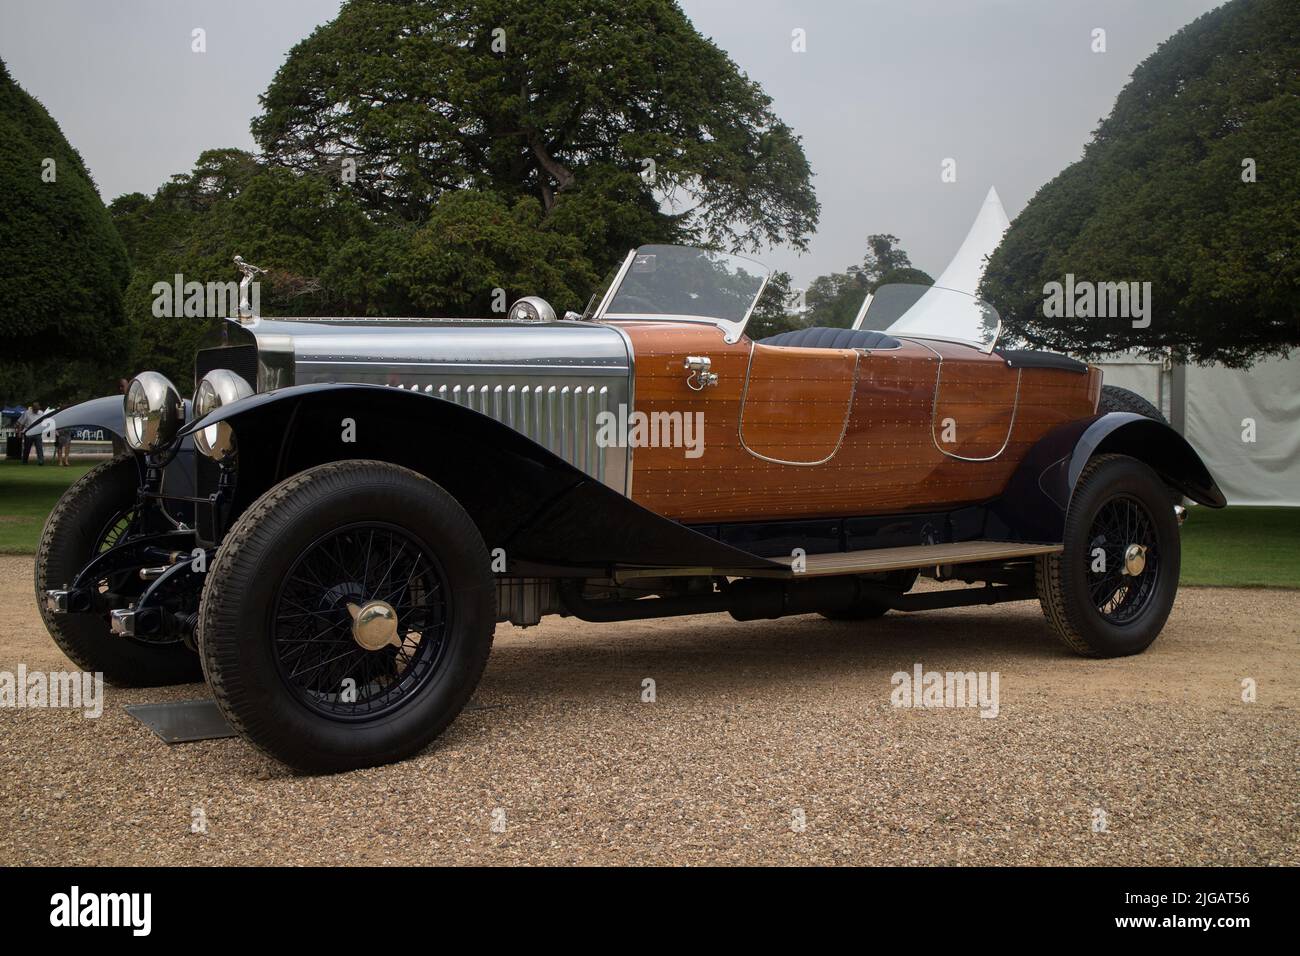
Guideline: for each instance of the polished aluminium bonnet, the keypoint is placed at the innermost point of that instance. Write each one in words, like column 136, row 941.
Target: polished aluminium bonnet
column 547, row 380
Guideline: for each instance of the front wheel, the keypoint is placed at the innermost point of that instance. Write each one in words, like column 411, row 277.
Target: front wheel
column 1110, row 591
column 91, row 517
column 347, row 617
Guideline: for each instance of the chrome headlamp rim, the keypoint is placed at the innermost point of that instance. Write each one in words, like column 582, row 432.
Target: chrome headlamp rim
column 153, row 410
column 219, row 387
column 532, row 308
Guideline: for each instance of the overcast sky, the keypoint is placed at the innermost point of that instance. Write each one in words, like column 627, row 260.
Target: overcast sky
column 886, row 90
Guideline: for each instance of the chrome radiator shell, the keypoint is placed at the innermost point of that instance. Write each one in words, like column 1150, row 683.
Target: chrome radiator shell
column 548, row 381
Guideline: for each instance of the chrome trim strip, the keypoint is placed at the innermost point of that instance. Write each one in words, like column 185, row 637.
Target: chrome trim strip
column 631, row 401
column 844, row 427
column 613, row 287
column 862, row 311
column 485, row 368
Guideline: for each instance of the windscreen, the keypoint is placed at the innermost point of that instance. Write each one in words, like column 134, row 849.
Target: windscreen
column 681, row 281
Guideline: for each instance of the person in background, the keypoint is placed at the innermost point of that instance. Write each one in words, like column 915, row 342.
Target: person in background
column 31, row 437
column 63, row 445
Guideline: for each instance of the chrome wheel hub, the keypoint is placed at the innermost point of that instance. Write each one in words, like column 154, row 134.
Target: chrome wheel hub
column 374, row 625
column 1135, row 560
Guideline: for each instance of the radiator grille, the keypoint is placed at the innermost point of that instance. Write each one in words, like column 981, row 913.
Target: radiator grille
column 561, row 418
column 240, row 359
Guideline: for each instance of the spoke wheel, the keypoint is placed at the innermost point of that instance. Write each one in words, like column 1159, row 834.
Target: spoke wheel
column 314, row 616
column 1118, row 592
column 347, row 616
column 1110, row 591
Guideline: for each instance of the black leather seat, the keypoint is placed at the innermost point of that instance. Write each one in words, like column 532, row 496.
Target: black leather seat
column 821, row 337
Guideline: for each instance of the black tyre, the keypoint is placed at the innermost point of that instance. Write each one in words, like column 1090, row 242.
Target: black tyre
column 868, row 610
column 280, row 635
column 1116, row 399
column 1103, row 598
column 88, row 518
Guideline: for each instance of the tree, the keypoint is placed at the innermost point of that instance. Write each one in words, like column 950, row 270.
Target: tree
column 772, row 313
column 883, row 256
column 1192, row 184
column 570, row 101
column 61, row 315
column 328, row 255
column 302, row 227
column 834, row 300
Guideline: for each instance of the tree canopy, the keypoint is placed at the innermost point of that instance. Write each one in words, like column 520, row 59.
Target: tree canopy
column 585, row 103
column 421, row 157
column 1192, row 184
column 328, row 255
column 61, row 314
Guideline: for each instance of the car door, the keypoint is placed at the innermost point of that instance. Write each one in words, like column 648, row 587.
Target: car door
column 797, row 403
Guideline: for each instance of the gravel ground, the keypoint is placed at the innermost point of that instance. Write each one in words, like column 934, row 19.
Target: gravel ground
column 752, row 724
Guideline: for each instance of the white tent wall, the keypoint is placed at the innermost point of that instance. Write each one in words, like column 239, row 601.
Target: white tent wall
column 1150, row 378
column 1265, row 471
column 1210, row 406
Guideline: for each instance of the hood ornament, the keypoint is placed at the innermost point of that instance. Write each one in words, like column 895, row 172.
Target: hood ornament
column 250, row 272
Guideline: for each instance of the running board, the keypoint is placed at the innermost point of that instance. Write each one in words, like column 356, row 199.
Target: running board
column 915, row 556
column 867, row 562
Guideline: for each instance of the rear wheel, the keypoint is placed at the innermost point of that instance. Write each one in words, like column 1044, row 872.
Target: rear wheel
column 92, row 514
column 1116, row 399
column 348, row 616
column 1110, row 591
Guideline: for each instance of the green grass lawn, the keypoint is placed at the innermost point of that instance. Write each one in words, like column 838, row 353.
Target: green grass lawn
column 1235, row 547
column 1242, row 547
column 27, row 494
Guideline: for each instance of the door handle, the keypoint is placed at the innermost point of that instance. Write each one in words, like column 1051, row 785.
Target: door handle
column 699, row 377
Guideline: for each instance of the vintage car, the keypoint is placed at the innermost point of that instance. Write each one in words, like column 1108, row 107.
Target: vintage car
column 334, row 525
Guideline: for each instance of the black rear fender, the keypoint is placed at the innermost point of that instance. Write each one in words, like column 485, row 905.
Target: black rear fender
column 1034, row 505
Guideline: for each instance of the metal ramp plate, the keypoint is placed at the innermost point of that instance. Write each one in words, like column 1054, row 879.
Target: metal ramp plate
column 183, row 721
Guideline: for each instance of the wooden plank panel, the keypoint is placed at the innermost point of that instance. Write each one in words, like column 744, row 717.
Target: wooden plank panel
column 797, row 402
column 887, row 463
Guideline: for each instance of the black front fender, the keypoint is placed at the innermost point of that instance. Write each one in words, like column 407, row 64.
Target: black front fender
column 543, row 511
column 1036, row 500
column 103, row 413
